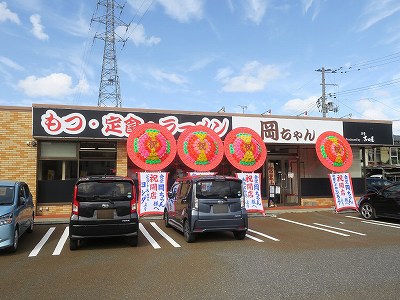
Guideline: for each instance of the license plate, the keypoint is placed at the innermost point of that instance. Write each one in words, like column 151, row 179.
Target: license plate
column 220, row 208
column 105, row 214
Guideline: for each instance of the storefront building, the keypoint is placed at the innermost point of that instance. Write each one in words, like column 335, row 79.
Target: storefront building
column 50, row 146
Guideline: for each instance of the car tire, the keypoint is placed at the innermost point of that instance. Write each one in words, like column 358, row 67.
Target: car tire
column 14, row 246
column 189, row 236
column 239, row 235
column 73, row 244
column 30, row 228
column 166, row 219
column 132, row 241
column 367, row 211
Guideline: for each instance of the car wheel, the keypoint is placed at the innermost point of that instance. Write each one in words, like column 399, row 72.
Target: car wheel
column 367, row 211
column 14, row 246
column 189, row 236
column 73, row 244
column 166, row 219
column 30, row 228
column 133, row 241
column 239, row 235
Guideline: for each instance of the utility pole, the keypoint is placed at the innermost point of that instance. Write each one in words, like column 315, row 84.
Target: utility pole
column 325, row 107
column 109, row 90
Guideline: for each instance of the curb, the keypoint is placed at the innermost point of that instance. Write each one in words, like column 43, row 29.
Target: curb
column 40, row 220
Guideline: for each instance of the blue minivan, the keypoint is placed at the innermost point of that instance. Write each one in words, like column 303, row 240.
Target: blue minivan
column 16, row 213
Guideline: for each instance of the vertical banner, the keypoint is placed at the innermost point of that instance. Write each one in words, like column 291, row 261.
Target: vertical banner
column 153, row 193
column 201, row 173
column 342, row 190
column 252, row 191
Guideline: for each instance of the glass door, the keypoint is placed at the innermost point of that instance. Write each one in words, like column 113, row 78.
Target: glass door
column 282, row 178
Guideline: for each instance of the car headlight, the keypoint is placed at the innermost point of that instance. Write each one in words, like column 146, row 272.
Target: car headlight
column 6, row 219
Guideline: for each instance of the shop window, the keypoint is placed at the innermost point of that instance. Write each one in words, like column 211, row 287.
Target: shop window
column 394, row 155
column 58, row 150
column 58, row 169
column 97, row 158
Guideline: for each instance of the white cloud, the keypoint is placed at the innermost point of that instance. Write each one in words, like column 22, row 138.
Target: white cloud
column 37, row 27
column 252, row 78
column 56, row 85
column 8, row 15
column 378, row 10
column 255, row 10
column 137, row 34
column 307, row 4
column 370, row 110
column 183, row 11
column 11, row 64
column 171, row 77
column 297, row 106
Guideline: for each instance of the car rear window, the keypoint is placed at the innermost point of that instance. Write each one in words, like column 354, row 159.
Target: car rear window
column 218, row 189
column 98, row 190
column 6, row 195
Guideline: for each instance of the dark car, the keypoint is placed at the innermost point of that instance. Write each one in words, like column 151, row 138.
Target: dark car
column 375, row 184
column 199, row 204
column 104, row 206
column 383, row 203
column 16, row 213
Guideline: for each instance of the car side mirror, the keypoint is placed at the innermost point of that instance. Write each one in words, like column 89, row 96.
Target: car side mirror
column 21, row 201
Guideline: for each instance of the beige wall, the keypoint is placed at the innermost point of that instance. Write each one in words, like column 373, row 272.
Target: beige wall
column 18, row 161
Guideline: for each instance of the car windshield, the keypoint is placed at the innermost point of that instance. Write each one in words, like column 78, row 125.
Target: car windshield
column 100, row 190
column 219, row 189
column 6, row 195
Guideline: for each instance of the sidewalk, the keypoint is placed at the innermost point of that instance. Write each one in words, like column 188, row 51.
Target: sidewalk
column 269, row 212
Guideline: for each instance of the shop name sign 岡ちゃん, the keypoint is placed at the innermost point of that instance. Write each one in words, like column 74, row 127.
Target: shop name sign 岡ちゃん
column 95, row 123
column 295, row 131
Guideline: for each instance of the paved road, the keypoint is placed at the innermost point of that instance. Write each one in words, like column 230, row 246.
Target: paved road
column 319, row 255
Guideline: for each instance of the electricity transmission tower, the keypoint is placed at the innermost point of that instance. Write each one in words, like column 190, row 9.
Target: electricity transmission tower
column 109, row 91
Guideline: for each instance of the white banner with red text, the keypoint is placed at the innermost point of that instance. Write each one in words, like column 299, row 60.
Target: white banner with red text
column 152, row 193
column 342, row 190
column 252, row 191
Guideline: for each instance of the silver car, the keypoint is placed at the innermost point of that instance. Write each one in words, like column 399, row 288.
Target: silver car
column 16, row 213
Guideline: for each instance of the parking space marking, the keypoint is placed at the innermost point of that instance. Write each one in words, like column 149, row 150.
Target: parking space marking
column 314, row 227
column 264, row 235
column 44, row 239
column 61, row 242
column 166, row 236
column 341, row 229
column 149, row 237
column 254, row 238
column 382, row 224
column 386, row 224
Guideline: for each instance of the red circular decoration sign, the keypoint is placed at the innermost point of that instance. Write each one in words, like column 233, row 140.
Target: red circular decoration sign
column 334, row 151
column 245, row 149
column 200, row 148
column 151, row 147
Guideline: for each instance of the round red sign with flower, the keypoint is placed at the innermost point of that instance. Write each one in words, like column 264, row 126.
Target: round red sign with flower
column 245, row 149
column 334, row 151
column 151, row 147
column 200, row 148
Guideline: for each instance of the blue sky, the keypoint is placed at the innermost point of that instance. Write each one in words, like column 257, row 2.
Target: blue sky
column 201, row 55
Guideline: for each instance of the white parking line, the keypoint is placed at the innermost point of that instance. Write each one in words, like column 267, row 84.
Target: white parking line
column 254, row 238
column 44, row 239
column 345, row 230
column 314, row 227
column 166, row 236
column 61, row 242
column 382, row 224
column 148, row 237
column 376, row 222
column 264, row 235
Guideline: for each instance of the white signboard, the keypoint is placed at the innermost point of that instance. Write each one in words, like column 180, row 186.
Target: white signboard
column 342, row 190
column 294, row 131
column 252, row 191
column 152, row 193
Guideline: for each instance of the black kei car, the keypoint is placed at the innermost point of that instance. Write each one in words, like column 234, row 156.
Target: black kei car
column 382, row 203
column 104, row 206
column 201, row 203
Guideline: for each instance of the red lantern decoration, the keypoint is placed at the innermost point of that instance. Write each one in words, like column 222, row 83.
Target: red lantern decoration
column 245, row 149
column 333, row 151
column 200, row 148
column 151, row 147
